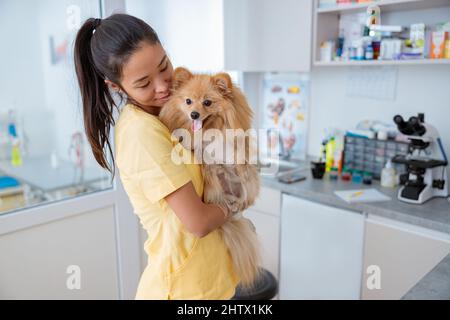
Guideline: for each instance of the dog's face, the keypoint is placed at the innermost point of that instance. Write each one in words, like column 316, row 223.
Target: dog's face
column 203, row 100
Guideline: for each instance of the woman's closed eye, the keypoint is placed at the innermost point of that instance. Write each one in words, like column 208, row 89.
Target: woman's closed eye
column 144, row 86
column 148, row 83
column 165, row 68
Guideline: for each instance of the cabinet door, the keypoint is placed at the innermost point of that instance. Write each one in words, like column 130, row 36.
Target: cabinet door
column 267, row 35
column 268, row 230
column 321, row 251
column 402, row 254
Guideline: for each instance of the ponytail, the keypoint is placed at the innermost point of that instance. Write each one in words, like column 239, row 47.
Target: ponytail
column 96, row 97
column 101, row 49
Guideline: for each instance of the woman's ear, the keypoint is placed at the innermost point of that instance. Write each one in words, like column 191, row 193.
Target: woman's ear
column 112, row 85
column 181, row 76
column 222, row 81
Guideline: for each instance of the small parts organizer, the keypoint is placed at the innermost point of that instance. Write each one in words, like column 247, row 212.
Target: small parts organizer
column 370, row 155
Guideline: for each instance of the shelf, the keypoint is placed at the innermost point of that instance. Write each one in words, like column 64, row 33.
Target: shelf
column 386, row 6
column 381, row 62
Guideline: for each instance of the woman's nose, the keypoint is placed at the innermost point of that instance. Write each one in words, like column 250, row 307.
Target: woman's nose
column 162, row 86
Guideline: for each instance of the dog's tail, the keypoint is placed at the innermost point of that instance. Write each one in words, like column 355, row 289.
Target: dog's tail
column 242, row 242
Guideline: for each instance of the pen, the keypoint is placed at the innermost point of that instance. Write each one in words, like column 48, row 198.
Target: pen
column 356, row 194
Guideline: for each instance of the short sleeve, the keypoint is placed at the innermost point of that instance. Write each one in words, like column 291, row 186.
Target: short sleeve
column 165, row 178
column 147, row 157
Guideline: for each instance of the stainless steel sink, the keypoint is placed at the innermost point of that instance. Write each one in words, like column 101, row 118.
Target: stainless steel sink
column 277, row 167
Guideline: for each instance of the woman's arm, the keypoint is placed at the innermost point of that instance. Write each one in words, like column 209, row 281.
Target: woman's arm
column 199, row 218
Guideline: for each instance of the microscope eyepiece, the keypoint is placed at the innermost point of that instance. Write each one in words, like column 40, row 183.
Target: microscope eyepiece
column 398, row 119
column 413, row 121
column 402, row 125
column 412, row 127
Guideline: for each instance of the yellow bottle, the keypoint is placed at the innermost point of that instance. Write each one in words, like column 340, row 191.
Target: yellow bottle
column 16, row 158
column 331, row 146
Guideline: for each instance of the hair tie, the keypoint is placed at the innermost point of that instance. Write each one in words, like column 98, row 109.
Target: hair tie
column 97, row 23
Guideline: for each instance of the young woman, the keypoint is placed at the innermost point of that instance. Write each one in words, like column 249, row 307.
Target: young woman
column 187, row 257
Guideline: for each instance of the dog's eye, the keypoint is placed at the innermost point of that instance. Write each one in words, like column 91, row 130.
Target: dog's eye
column 207, row 103
column 188, row 102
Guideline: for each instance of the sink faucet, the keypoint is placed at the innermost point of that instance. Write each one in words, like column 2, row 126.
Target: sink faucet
column 283, row 154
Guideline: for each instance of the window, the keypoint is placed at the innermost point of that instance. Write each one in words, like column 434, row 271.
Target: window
column 44, row 154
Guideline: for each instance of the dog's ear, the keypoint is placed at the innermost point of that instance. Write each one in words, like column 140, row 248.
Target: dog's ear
column 223, row 83
column 181, row 76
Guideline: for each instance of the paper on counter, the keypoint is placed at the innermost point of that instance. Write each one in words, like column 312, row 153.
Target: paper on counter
column 362, row 195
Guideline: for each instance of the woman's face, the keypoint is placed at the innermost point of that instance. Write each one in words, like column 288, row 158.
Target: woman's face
column 147, row 76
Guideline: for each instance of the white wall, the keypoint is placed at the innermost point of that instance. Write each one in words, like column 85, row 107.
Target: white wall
column 419, row 89
column 190, row 31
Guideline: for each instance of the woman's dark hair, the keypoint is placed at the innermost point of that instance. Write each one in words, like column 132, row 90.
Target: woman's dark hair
column 102, row 47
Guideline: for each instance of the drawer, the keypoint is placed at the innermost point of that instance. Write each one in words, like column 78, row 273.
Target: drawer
column 269, row 201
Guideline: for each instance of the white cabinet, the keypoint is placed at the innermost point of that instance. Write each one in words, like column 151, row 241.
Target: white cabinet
column 400, row 255
column 71, row 258
column 268, row 35
column 321, row 251
column 265, row 215
column 85, row 247
column 268, row 230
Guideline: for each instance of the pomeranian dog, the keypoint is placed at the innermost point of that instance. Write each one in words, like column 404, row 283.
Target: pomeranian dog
column 201, row 102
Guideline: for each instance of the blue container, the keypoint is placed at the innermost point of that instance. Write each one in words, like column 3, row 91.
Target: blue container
column 8, row 182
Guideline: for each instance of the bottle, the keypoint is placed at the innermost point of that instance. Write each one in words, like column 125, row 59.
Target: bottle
column 388, row 176
column 369, row 52
column 323, row 151
column 16, row 157
column 338, row 154
column 330, row 147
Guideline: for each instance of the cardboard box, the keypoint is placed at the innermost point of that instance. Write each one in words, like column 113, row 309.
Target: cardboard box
column 438, row 42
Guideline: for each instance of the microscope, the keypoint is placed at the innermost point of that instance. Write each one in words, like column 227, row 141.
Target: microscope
column 426, row 162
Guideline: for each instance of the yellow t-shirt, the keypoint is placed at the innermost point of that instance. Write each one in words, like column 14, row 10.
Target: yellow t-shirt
column 180, row 265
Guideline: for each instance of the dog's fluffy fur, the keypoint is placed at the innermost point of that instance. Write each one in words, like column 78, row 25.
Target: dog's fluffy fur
column 234, row 186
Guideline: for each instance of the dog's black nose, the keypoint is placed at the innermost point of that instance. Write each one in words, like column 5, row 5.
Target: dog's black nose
column 195, row 115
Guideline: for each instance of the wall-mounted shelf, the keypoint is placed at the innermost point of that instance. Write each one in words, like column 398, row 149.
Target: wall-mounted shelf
column 386, row 6
column 393, row 12
column 381, row 62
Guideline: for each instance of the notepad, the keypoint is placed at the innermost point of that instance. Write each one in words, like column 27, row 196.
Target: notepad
column 362, row 195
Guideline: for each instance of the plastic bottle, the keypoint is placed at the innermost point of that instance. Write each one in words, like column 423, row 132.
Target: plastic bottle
column 16, row 157
column 369, row 52
column 388, row 176
column 338, row 152
column 330, row 147
column 323, row 151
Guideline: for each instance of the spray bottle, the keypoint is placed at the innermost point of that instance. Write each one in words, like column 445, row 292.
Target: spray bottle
column 16, row 157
